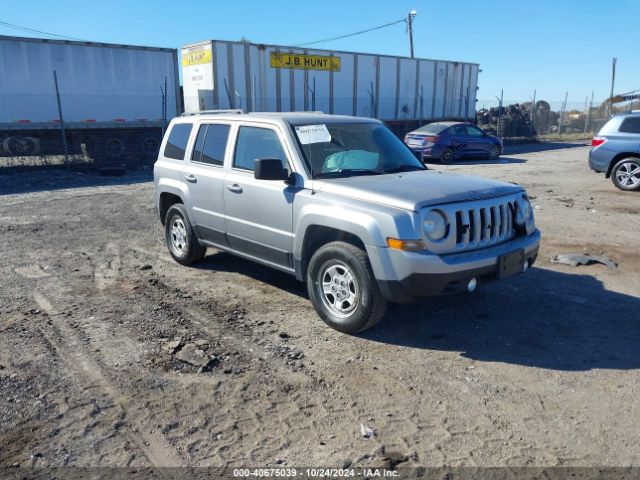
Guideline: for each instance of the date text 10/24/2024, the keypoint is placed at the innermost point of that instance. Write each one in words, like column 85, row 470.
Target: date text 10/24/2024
column 314, row 473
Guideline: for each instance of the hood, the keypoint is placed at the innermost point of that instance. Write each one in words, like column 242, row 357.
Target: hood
column 415, row 190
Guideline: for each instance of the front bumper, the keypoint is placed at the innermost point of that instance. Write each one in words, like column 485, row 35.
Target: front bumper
column 405, row 277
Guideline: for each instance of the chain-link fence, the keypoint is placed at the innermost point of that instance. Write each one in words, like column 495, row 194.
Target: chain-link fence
column 546, row 120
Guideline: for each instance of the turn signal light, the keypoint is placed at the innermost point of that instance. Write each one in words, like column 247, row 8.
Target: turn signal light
column 406, row 245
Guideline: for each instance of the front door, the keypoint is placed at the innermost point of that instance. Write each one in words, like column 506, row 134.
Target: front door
column 259, row 213
column 477, row 143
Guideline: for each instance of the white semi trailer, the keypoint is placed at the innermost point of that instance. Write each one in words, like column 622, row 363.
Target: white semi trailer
column 111, row 97
column 254, row 77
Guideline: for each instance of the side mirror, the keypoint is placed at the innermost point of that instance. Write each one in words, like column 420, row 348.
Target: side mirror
column 269, row 169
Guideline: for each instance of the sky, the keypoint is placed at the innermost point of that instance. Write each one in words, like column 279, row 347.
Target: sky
column 549, row 46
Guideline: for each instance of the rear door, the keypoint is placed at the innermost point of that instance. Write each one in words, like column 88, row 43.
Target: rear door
column 259, row 213
column 204, row 174
column 458, row 139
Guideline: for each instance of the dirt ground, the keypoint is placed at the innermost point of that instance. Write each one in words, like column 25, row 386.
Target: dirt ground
column 111, row 354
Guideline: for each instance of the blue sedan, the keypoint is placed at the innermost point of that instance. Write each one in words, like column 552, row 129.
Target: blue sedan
column 448, row 141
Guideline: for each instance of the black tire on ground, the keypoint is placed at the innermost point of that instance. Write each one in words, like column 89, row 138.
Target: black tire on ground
column 343, row 289
column 494, row 152
column 626, row 174
column 447, row 156
column 180, row 237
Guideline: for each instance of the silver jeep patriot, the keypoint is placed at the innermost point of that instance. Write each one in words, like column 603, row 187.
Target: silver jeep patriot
column 340, row 203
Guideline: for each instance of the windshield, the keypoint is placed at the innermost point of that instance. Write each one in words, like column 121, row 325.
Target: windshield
column 346, row 149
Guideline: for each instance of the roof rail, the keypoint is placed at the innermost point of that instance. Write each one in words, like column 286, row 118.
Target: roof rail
column 204, row 112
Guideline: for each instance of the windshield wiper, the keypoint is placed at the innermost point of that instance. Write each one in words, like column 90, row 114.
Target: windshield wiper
column 348, row 171
column 402, row 168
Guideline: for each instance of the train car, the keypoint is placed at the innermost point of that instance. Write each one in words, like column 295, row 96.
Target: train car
column 254, row 77
column 113, row 99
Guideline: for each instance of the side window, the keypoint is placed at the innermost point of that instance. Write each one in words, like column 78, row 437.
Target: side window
column 177, row 142
column 215, row 144
column 473, row 131
column 458, row 131
column 256, row 142
column 630, row 125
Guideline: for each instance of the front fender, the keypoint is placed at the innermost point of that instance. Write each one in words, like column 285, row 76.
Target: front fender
column 371, row 223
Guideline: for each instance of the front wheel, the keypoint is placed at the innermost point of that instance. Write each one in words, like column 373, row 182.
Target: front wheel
column 343, row 289
column 494, row 152
column 626, row 174
column 181, row 239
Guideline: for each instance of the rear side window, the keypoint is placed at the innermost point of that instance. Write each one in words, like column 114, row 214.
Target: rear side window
column 458, row 131
column 177, row 142
column 255, row 142
column 211, row 144
column 630, row 125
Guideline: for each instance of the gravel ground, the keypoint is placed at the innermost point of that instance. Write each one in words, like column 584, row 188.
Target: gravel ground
column 111, row 354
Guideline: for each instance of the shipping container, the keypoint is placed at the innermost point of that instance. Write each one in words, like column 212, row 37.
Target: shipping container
column 254, row 77
column 110, row 96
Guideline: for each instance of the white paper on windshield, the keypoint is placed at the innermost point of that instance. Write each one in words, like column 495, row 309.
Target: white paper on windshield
column 313, row 134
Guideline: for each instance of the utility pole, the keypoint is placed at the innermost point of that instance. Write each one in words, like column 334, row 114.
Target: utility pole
column 60, row 117
column 500, row 112
column 613, row 82
column 586, row 122
column 532, row 115
column 410, row 17
column 562, row 110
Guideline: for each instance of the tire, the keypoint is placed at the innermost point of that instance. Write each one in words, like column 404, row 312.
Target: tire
column 447, row 156
column 348, row 267
column 22, row 146
column 114, row 148
column 626, row 174
column 494, row 152
column 150, row 147
column 181, row 240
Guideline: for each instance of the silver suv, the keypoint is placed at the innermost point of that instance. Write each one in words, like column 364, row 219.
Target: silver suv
column 340, row 203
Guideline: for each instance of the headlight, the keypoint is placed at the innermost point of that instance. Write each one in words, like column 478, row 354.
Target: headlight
column 523, row 211
column 435, row 225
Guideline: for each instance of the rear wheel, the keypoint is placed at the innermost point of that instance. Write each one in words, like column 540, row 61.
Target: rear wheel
column 180, row 238
column 447, row 156
column 626, row 174
column 343, row 289
column 494, row 152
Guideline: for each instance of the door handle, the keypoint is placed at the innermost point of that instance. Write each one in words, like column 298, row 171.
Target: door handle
column 191, row 178
column 235, row 188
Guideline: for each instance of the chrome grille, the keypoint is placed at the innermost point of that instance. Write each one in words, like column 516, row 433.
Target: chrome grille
column 484, row 226
column 476, row 224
